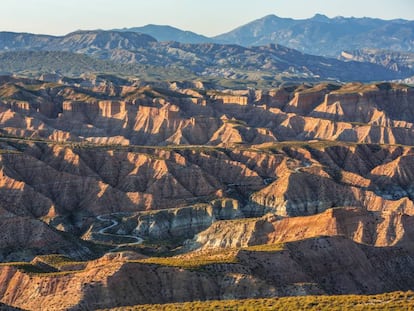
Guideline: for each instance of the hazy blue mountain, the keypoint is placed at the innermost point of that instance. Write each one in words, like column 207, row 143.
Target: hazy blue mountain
column 79, row 41
column 168, row 33
column 53, row 62
column 20, row 41
column 321, row 35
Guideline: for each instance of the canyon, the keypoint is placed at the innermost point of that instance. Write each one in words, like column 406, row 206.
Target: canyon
column 116, row 192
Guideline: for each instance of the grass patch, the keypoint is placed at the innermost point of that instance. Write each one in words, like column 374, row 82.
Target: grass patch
column 25, row 267
column 195, row 261
column 56, row 260
column 29, row 268
column 200, row 259
column 266, row 248
column 388, row 301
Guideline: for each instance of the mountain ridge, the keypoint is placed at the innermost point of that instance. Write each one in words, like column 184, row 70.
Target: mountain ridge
column 232, row 62
column 368, row 32
column 323, row 35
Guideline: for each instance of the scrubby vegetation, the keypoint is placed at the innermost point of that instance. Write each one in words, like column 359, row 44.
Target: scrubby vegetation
column 199, row 259
column 47, row 265
column 57, row 261
column 389, row 301
column 33, row 63
column 195, row 260
column 26, row 267
column 266, row 248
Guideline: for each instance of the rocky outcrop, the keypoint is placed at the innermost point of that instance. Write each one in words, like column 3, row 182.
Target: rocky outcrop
column 230, row 99
column 304, row 101
column 184, row 222
column 367, row 104
column 362, row 226
column 374, row 228
column 232, row 234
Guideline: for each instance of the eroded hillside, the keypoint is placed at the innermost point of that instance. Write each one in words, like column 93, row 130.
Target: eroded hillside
column 245, row 193
column 137, row 113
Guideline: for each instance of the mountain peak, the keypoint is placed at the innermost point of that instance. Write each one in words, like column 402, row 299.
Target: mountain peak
column 273, row 18
column 99, row 33
column 169, row 33
column 270, row 17
column 321, row 35
column 320, row 18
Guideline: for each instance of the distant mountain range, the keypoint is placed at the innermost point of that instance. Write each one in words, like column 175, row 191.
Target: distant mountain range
column 318, row 35
column 264, row 63
column 250, row 53
column 87, row 42
column 36, row 63
column 321, row 35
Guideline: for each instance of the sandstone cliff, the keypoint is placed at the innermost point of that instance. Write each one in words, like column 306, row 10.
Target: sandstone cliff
column 151, row 115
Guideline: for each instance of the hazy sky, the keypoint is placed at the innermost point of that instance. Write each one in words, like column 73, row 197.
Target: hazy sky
column 208, row 17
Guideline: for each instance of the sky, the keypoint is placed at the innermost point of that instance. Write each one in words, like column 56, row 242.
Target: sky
column 207, row 17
